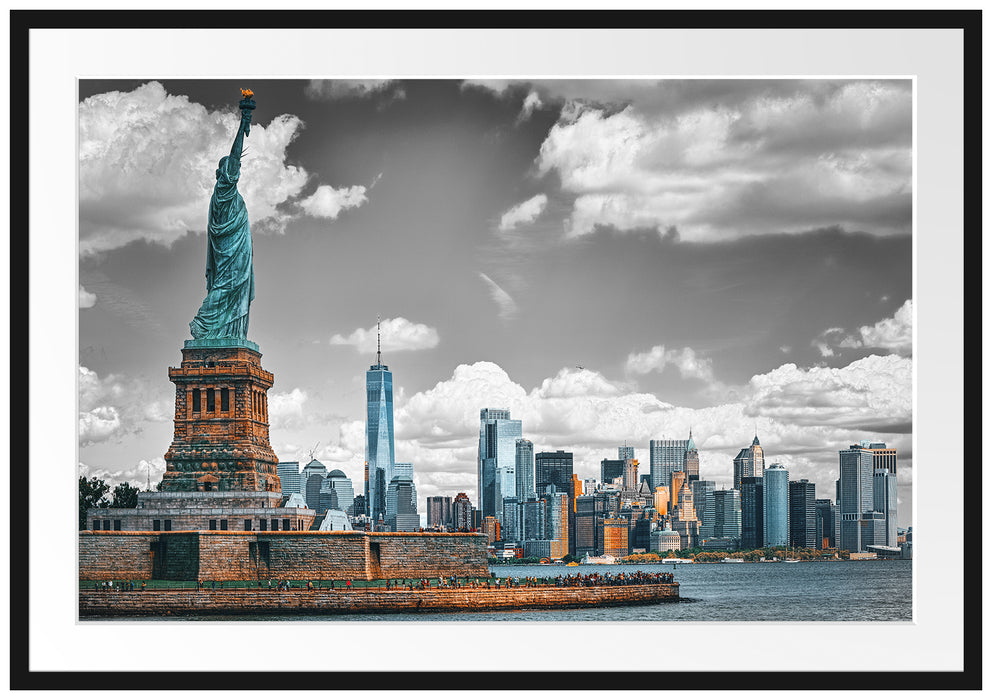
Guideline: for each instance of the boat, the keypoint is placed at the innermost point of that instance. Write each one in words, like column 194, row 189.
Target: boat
column 788, row 559
column 676, row 560
column 605, row 559
column 728, row 560
column 572, row 563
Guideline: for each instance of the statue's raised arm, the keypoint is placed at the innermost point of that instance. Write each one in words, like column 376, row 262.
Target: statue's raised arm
column 229, row 272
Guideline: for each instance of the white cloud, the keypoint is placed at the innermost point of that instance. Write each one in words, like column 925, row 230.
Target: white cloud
column 689, row 365
column 507, row 306
column 147, row 162
column 327, row 202
column 143, row 474
column 117, row 405
column 523, row 213
column 362, row 88
column 531, row 102
column 98, row 425
column 398, row 334
column 894, row 334
column 286, row 410
column 86, row 299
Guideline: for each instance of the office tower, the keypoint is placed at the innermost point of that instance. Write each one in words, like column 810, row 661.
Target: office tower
column 750, row 461
column 667, row 456
column 556, row 527
column 510, row 529
column 690, row 462
column 630, row 474
column 661, row 499
column 826, row 517
column 289, row 477
column 802, row 514
column 610, row 469
column 701, row 489
column 625, row 452
column 577, row 488
column 684, row 518
column 311, row 479
column 533, row 519
column 752, row 512
column 616, row 532
column 439, row 512
column 498, row 435
column 722, row 515
column 401, row 503
column 885, row 489
column 337, row 493
column 490, row 526
column 557, row 469
column 379, row 447
column 677, row 481
column 775, row 492
column 860, row 524
column 525, row 469
column 588, row 486
column 666, row 540
column 461, row 513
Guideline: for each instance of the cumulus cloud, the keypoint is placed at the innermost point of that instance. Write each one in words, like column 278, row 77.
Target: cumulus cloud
column 688, row 363
column 531, row 102
column 894, row 334
column 344, row 89
column 144, row 473
column 398, row 334
column 286, row 410
column 86, row 299
column 116, row 405
column 523, row 213
column 147, row 162
column 507, row 306
column 327, row 202
column 782, row 159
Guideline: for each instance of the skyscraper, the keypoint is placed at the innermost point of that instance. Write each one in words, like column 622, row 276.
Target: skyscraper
column 439, row 512
column 802, row 514
column 669, row 456
column 525, row 469
column 337, row 493
column 690, row 463
column 630, row 474
column 311, row 479
column 379, row 447
column 625, row 452
column 861, row 524
column 826, row 518
column 885, row 489
column 701, row 489
column 610, row 469
column 556, row 527
column 750, row 461
column 752, row 512
column 498, row 435
column 723, row 515
column 289, row 477
column 461, row 512
column 775, row 491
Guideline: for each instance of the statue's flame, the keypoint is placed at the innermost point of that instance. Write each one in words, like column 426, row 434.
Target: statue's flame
column 247, row 93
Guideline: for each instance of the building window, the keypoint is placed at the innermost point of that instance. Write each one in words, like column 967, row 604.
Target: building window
column 210, row 400
column 168, row 526
column 248, row 525
column 285, row 523
column 106, row 524
column 261, row 524
column 225, row 400
column 96, row 524
column 117, row 525
column 275, row 523
column 196, row 400
column 213, row 525
column 156, row 525
column 223, row 524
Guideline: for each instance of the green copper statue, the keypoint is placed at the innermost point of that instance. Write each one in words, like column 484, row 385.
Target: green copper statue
column 230, row 277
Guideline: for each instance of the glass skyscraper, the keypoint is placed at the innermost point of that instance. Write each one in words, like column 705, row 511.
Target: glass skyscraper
column 498, row 435
column 866, row 498
column 525, row 470
column 379, row 446
column 749, row 462
column 667, row 456
column 752, row 512
column 802, row 514
column 775, row 495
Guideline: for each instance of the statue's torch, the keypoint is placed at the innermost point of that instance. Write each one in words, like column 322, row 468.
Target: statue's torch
column 247, row 104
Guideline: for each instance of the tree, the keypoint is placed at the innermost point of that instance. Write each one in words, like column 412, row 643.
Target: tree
column 125, row 496
column 92, row 494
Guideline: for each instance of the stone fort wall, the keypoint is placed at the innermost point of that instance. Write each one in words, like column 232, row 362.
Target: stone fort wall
column 231, row 556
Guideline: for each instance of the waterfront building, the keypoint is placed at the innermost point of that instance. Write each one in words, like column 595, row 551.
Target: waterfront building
column 884, row 489
column 802, row 514
column 439, row 512
column 861, row 525
column 666, row 457
column 701, row 490
column 379, row 443
column 615, row 537
column 625, row 452
column 750, row 461
column 752, row 512
column 498, row 435
column 775, row 502
column 289, row 477
column 826, row 517
column 666, row 540
column 610, row 469
column 525, row 469
column 461, row 513
column 722, row 518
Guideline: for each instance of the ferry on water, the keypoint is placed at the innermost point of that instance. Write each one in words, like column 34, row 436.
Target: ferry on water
column 728, row 560
column 605, row 559
column 676, row 560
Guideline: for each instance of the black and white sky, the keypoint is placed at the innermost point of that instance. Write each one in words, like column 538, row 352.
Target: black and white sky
column 614, row 260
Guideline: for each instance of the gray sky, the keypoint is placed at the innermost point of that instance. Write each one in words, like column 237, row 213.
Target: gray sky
column 720, row 254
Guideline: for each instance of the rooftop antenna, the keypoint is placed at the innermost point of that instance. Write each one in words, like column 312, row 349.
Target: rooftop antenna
column 378, row 351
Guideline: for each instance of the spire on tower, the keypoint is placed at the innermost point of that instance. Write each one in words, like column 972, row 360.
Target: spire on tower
column 378, row 351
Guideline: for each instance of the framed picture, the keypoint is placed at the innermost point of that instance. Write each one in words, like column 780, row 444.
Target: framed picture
column 660, row 231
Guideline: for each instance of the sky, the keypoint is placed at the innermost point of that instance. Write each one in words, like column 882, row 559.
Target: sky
column 615, row 261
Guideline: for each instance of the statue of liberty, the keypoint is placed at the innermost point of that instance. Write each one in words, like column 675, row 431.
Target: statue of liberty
column 230, row 277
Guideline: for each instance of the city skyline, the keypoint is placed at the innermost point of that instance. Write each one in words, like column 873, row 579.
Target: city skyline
column 595, row 325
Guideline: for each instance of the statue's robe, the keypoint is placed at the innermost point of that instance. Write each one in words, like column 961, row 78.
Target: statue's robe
column 230, row 277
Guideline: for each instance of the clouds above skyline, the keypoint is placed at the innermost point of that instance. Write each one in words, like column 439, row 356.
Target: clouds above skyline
column 688, row 363
column 327, row 202
column 397, row 334
column 893, row 334
column 524, row 213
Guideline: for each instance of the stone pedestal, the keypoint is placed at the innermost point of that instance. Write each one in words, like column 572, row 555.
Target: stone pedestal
column 221, row 437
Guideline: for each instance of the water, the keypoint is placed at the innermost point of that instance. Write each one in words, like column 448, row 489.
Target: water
column 808, row 591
